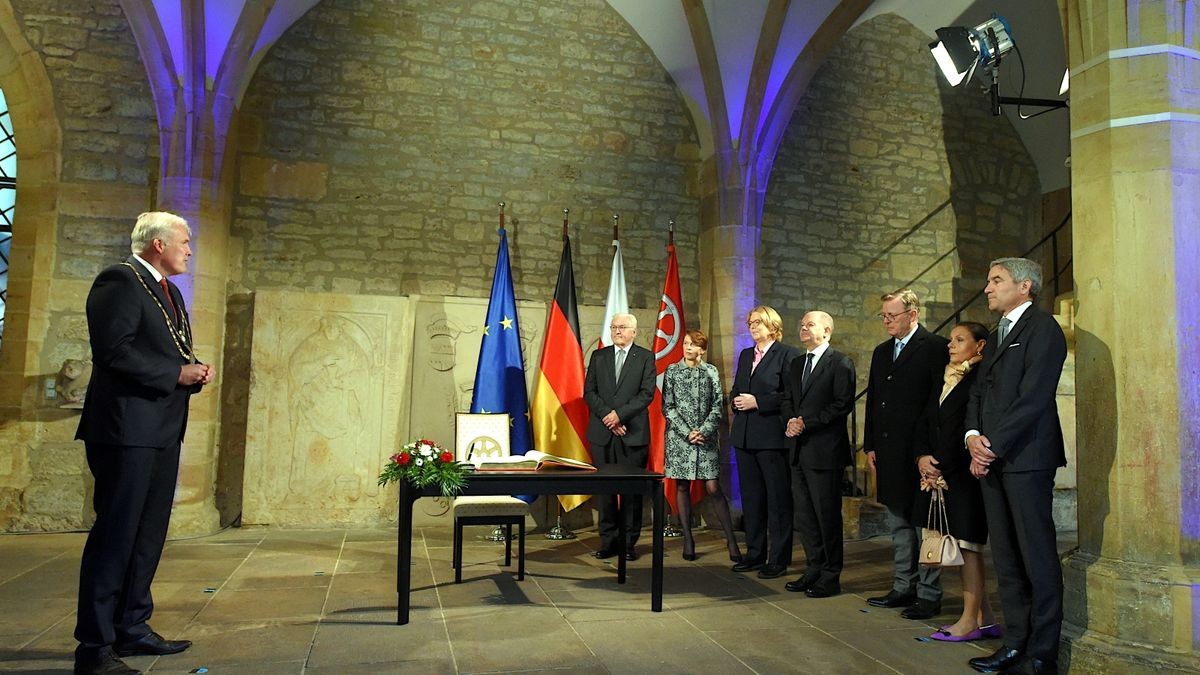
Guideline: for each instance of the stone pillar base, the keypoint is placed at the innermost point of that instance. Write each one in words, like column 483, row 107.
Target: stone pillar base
column 1127, row 617
column 194, row 520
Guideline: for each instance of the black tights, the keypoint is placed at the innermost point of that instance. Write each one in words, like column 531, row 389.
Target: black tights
column 720, row 505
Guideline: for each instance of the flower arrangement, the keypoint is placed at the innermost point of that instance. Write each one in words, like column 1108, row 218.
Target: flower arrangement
column 422, row 463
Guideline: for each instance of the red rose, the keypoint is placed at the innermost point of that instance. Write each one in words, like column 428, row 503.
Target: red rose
column 396, row 458
column 446, row 457
column 403, row 459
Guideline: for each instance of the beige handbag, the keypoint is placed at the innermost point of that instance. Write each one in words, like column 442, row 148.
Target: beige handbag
column 937, row 548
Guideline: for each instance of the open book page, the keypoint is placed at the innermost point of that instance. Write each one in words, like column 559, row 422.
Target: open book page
column 531, row 461
column 545, row 459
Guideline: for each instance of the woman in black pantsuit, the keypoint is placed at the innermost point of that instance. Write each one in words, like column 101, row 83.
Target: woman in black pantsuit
column 756, row 433
column 942, row 454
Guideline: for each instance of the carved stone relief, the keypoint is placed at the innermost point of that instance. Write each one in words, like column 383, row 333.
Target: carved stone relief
column 328, row 378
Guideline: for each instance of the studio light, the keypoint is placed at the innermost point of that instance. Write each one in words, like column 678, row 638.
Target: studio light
column 960, row 52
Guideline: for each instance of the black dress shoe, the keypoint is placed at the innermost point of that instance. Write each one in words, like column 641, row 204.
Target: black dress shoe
column 1003, row 658
column 631, row 554
column 802, row 584
column 151, row 644
column 922, row 609
column 747, row 566
column 823, row 590
column 101, row 661
column 771, row 571
column 604, row 554
column 894, row 598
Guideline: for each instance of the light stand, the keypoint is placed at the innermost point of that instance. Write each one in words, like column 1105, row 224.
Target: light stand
column 994, row 88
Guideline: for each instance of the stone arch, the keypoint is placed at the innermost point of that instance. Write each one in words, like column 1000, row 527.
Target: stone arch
column 38, row 132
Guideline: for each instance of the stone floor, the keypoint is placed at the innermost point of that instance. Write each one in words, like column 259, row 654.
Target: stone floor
column 257, row 600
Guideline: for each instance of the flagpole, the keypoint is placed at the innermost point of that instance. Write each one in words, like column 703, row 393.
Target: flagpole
column 560, row 532
column 672, row 529
column 500, row 533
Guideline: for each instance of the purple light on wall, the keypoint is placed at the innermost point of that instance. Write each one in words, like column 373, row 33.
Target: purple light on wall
column 1187, row 314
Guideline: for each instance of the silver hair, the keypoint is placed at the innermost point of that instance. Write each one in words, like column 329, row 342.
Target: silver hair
column 1021, row 269
column 629, row 317
column 155, row 225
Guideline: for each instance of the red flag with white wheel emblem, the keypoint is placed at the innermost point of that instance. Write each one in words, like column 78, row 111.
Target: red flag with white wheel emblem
column 668, row 349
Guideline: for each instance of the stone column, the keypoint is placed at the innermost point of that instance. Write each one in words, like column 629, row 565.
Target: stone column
column 205, row 206
column 730, row 236
column 1133, row 585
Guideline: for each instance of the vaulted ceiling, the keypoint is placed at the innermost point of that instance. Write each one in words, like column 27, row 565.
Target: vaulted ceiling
column 737, row 63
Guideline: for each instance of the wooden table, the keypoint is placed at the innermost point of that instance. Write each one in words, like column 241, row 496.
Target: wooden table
column 606, row 480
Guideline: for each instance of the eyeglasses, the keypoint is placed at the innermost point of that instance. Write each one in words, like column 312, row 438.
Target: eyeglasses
column 620, row 327
column 753, row 323
column 888, row 317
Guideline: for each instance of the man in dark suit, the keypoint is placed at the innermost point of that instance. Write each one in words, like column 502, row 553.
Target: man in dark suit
column 816, row 402
column 1016, row 445
column 618, row 388
column 133, row 421
column 906, row 369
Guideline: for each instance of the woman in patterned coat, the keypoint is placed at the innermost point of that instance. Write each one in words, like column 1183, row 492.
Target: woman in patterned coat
column 692, row 404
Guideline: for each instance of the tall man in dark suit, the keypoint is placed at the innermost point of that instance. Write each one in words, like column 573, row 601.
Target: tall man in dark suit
column 906, row 369
column 816, row 402
column 1016, row 445
column 133, row 421
column 618, row 388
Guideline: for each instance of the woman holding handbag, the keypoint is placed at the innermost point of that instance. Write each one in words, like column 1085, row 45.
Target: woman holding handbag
column 944, row 460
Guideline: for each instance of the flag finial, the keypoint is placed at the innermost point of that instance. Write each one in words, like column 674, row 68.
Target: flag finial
column 564, row 230
column 616, row 218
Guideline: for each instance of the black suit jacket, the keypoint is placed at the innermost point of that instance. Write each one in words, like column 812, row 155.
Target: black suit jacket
column 941, row 432
column 897, row 396
column 630, row 397
column 1012, row 400
column 761, row 428
column 134, row 397
column 824, row 404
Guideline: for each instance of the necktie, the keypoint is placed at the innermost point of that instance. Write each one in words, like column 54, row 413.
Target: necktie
column 808, row 359
column 758, row 354
column 899, row 348
column 167, row 292
column 620, row 362
column 1005, row 322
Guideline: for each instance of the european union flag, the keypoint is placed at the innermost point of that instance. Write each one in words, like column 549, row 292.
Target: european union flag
column 500, row 375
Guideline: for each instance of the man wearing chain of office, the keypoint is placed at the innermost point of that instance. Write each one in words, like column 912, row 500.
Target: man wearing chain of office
column 133, row 422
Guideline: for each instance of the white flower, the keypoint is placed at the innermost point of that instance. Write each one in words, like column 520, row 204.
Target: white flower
column 426, row 450
column 419, row 461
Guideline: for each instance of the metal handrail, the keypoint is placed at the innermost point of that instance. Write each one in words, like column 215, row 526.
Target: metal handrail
column 953, row 319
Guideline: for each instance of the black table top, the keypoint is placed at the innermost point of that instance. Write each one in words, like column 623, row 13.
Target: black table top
column 604, row 480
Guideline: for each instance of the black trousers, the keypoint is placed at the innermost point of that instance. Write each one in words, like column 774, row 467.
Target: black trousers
column 134, row 490
column 818, row 497
column 1020, row 517
column 629, row 509
column 765, row 482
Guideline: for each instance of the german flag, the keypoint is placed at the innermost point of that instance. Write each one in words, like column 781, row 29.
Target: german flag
column 559, row 413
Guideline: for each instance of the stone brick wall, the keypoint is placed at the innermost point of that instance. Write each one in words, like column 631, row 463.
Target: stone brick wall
column 401, row 125
column 108, row 163
column 886, row 176
column 109, row 129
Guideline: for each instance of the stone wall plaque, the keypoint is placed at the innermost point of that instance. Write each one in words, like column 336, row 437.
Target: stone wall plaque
column 327, row 406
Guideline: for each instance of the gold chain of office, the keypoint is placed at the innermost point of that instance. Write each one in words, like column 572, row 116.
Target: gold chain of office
column 182, row 335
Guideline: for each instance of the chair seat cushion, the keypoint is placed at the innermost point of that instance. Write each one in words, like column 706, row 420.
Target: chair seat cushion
column 489, row 506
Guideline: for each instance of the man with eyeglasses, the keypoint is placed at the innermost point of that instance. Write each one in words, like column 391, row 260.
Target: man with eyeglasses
column 618, row 388
column 906, row 370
